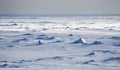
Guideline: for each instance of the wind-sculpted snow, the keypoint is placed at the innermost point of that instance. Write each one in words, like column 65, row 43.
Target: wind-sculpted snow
column 112, row 59
column 88, row 62
column 115, row 38
column 96, row 43
column 81, row 40
column 60, row 43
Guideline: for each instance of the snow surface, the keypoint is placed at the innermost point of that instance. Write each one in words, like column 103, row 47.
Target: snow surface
column 60, row 43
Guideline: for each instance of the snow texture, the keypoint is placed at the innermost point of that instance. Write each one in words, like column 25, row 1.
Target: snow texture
column 60, row 43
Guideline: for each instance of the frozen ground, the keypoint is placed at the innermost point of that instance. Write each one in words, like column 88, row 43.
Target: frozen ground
column 60, row 43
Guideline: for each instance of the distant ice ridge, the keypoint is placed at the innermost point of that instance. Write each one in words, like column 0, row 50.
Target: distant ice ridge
column 57, row 23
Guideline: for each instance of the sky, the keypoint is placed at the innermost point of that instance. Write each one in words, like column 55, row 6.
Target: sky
column 59, row 7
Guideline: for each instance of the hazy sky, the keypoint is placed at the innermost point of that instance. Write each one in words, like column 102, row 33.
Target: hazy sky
column 59, row 7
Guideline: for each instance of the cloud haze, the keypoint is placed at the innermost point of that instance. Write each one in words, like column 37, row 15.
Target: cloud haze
column 59, row 7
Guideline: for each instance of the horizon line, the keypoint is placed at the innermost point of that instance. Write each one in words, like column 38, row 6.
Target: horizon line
column 59, row 14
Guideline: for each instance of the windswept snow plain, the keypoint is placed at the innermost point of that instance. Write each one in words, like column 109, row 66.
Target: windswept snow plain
column 60, row 43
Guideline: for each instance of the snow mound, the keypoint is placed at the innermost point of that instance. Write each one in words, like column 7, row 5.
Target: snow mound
column 91, row 54
column 27, row 34
column 45, row 38
column 22, row 61
column 105, row 51
column 70, row 35
column 96, row 43
column 117, row 59
column 58, row 41
column 56, row 58
column 10, row 24
column 79, row 41
column 10, row 46
column 50, row 58
column 88, row 62
column 19, row 40
column 116, row 44
column 115, row 38
column 94, row 52
column 8, row 66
